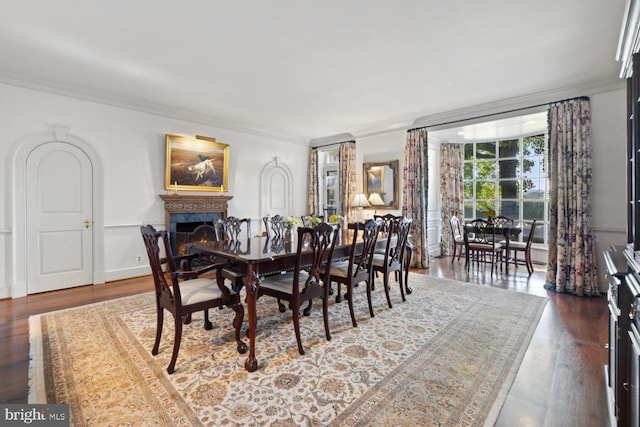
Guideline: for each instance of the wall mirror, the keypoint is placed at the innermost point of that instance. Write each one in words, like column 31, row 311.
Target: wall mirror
column 380, row 184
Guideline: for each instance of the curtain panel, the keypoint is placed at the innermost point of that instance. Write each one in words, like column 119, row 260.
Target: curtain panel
column 451, row 190
column 571, row 266
column 348, row 183
column 415, row 189
column 312, row 189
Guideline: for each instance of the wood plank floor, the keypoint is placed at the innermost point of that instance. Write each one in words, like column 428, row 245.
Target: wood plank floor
column 560, row 382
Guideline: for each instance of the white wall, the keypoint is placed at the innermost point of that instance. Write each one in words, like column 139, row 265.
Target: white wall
column 131, row 146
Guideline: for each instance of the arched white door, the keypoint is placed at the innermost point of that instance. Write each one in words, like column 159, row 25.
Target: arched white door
column 59, row 217
column 276, row 182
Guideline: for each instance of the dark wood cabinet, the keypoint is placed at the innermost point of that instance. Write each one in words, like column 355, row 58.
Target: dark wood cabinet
column 623, row 271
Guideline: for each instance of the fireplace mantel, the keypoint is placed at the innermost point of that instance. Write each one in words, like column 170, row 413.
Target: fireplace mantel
column 180, row 209
column 180, row 203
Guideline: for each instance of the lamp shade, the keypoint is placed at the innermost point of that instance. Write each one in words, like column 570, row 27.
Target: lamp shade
column 360, row 201
column 375, row 199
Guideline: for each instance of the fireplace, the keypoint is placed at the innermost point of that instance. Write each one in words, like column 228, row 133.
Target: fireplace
column 190, row 217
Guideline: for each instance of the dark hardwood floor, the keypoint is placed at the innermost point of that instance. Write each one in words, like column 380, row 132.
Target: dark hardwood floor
column 560, row 382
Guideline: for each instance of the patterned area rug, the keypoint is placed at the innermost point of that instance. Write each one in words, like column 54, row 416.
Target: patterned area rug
column 447, row 356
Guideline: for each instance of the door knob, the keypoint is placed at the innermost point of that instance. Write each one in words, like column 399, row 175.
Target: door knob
column 87, row 223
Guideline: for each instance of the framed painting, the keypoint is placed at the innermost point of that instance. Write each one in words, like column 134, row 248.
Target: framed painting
column 196, row 164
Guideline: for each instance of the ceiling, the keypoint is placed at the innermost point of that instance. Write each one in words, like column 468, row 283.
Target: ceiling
column 303, row 70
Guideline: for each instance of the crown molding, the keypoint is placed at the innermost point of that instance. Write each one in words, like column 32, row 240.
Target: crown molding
column 13, row 79
column 508, row 107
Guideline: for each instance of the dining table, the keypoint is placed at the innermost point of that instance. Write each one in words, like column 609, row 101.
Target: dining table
column 258, row 257
column 508, row 231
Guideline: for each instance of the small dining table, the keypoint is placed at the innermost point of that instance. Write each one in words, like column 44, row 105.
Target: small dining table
column 258, row 257
column 508, row 231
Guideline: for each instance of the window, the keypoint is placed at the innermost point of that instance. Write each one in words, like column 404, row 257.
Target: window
column 508, row 178
column 329, row 185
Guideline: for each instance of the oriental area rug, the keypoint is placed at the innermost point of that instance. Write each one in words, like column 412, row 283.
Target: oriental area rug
column 447, row 356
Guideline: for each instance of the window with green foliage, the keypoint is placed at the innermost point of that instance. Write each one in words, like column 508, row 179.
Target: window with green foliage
column 508, row 178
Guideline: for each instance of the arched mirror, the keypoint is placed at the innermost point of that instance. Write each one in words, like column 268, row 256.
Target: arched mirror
column 380, row 184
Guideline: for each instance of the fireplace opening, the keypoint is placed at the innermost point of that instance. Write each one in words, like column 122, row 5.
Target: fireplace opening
column 190, row 232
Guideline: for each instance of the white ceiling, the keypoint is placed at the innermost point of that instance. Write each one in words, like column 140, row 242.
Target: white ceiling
column 305, row 69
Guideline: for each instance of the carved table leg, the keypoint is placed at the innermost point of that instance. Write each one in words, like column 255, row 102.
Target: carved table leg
column 407, row 265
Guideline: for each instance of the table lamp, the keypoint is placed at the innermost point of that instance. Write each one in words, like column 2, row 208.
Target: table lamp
column 359, row 202
column 375, row 200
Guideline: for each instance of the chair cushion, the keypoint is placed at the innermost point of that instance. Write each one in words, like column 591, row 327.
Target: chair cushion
column 283, row 282
column 339, row 269
column 198, row 290
column 517, row 245
column 475, row 246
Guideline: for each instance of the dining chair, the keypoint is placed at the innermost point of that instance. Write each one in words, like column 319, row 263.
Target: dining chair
column 311, row 220
column 480, row 241
column 309, row 278
column 357, row 268
column 525, row 248
column 457, row 239
column 233, row 229
column 392, row 260
column 274, row 226
column 187, row 292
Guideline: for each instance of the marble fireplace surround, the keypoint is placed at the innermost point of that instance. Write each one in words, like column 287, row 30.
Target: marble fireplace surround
column 191, row 210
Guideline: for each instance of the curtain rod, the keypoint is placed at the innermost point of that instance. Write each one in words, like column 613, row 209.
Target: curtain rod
column 513, row 110
column 329, row 145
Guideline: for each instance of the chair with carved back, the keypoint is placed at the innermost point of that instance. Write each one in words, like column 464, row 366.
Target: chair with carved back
column 457, row 239
column 480, row 242
column 392, row 260
column 311, row 220
column 274, row 226
column 309, row 278
column 183, row 292
column 235, row 231
column 525, row 248
column 357, row 268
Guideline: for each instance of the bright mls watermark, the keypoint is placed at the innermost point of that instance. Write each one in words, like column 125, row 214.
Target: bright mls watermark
column 36, row 415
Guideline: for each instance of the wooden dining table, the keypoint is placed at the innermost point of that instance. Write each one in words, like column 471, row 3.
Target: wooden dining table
column 505, row 230
column 258, row 257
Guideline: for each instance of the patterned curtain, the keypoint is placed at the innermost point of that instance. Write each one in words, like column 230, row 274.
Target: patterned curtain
column 451, row 190
column 312, row 199
column 572, row 259
column 415, row 189
column 348, row 184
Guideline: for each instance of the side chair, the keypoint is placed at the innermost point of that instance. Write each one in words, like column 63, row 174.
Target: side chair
column 392, row 260
column 357, row 268
column 309, row 279
column 525, row 248
column 479, row 242
column 231, row 229
column 457, row 239
column 274, row 226
column 186, row 293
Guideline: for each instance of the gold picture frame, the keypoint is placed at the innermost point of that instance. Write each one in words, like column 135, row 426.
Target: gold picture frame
column 197, row 163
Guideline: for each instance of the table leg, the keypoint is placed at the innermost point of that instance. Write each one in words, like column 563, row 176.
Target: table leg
column 251, row 284
column 506, row 251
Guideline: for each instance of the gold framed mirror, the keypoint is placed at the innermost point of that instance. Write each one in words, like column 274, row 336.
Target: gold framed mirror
column 380, row 184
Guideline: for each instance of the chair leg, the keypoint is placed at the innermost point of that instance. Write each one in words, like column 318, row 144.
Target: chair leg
column 207, row 323
column 455, row 247
column 281, row 306
column 369, row 288
column 386, row 289
column 176, row 345
column 237, row 324
column 338, row 296
column 325, row 317
column 350, row 301
column 159, row 323
column 296, row 327
column 527, row 257
column 401, row 281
